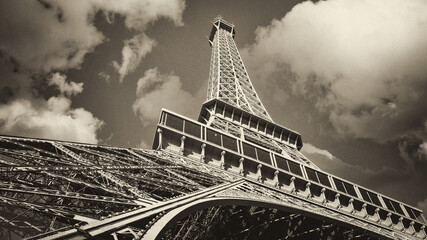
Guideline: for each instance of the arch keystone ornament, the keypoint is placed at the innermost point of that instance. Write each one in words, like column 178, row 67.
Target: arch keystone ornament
column 232, row 174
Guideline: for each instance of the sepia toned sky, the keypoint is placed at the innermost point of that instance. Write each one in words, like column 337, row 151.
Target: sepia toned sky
column 350, row 76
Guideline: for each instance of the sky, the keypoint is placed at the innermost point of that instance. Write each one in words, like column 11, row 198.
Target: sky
column 350, row 76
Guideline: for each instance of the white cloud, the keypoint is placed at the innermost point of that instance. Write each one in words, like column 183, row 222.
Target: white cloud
column 132, row 53
column 310, row 149
column 53, row 119
column 67, row 88
column 56, row 35
column 363, row 62
column 139, row 13
column 40, row 37
column 104, row 76
column 26, row 114
column 156, row 91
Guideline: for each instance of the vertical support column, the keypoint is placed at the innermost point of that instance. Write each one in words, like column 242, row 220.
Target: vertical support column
column 336, row 203
column 306, row 193
column 362, row 213
column 241, row 169
column 276, row 179
column 160, row 146
column 321, row 198
column 258, row 173
column 399, row 226
column 219, row 57
column 296, row 140
column 410, row 230
column 421, row 233
column 349, row 208
column 387, row 222
column 291, row 187
column 181, row 148
column 202, row 155
column 375, row 217
column 222, row 161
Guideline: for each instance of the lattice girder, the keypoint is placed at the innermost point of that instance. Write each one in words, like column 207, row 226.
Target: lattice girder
column 228, row 79
column 233, row 174
column 243, row 192
column 68, row 183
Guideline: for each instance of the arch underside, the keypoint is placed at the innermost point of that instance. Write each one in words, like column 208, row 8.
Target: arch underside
column 252, row 222
column 233, row 218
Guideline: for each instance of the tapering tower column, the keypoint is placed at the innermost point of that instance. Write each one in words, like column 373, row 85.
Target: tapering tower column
column 233, row 105
column 228, row 79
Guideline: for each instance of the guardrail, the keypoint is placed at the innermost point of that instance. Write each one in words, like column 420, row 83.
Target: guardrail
column 194, row 139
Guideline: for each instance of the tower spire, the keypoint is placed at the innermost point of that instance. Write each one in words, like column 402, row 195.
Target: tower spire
column 228, row 78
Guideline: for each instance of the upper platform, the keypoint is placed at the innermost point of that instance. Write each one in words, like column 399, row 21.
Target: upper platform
column 219, row 23
column 228, row 79
column 196, row 141
column 249, row 121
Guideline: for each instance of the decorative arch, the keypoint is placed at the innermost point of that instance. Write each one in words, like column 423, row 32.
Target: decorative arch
column 169, row 219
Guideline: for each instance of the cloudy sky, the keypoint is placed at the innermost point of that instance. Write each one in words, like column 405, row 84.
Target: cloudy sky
column 350, row 76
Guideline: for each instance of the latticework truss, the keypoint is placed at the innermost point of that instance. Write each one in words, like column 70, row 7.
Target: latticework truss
column 228, row 79
column 48, row 185
column 234, row 174
column 64, row 190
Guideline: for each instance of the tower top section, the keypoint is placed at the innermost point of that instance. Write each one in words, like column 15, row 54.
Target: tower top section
column 228, row 79
column 219, row 23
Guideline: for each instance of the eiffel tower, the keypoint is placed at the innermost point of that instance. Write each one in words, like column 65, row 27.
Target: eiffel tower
column 233, row 174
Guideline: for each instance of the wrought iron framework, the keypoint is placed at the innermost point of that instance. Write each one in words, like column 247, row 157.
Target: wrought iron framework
column 234, row 174
column 49, row 185
column 228, row 79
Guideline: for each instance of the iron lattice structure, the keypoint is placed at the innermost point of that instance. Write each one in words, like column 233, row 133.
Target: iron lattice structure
column 233, row 174
column 228, row 79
